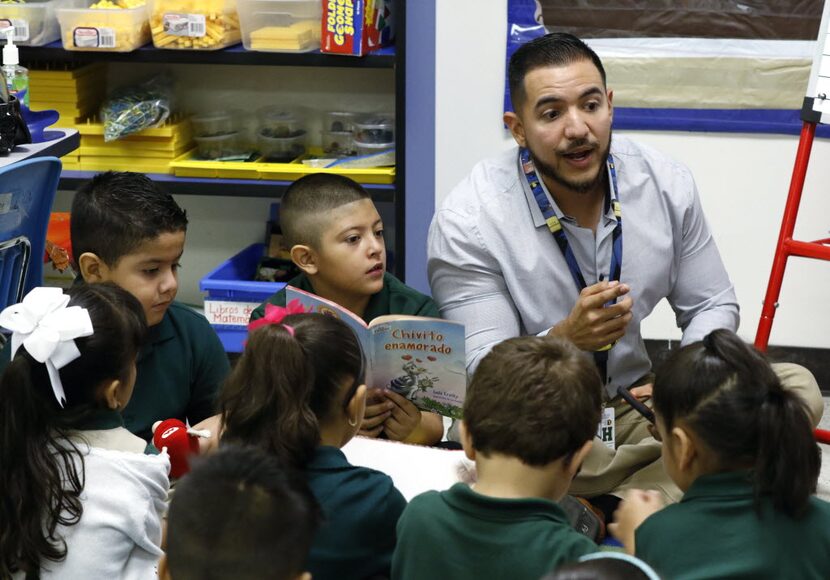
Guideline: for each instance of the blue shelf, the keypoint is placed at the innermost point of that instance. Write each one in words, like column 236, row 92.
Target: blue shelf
column 235, row 55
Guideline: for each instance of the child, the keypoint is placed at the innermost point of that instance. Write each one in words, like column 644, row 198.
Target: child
column 742, row 450
column 530, row 415
column 238, row 514
column 80, row 499
column 335, row 236
column 126, row 230
column 605, row 566
column 297, row 391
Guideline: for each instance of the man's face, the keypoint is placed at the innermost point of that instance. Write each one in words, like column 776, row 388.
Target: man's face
column 150, row 273
column 351, row 254
column 565, row 122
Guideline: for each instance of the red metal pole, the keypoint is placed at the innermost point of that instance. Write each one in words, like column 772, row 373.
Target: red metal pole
column 802, row 159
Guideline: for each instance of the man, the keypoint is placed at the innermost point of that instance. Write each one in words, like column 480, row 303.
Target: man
column 579, row 237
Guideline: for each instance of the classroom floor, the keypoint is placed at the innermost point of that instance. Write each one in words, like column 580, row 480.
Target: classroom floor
column 824, row 477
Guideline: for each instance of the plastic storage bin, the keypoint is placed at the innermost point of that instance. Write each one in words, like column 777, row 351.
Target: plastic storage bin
column 113, row 30
column 281, row 25
column 221, row 146
column 194, row 24
column 232, row 295
column 375, row 129
column 281, row 149
column 215, row 123
column 339, row 143
column 35, row 22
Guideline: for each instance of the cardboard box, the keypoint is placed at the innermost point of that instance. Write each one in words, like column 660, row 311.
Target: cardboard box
column 356, row 27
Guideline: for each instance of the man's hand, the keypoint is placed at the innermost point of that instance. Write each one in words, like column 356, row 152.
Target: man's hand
column 378, row 410
column 633, row 511
column 590, row 325
column 405, row 418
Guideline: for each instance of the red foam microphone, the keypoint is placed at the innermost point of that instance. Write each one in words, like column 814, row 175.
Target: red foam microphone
column 180, row 443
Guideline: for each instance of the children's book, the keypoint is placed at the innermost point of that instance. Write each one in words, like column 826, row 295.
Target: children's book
column 418, row 357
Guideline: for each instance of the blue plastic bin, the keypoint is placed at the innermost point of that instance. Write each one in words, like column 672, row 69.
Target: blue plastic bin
column 232, row 294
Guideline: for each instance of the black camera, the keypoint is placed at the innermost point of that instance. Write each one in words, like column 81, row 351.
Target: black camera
column 13, row 129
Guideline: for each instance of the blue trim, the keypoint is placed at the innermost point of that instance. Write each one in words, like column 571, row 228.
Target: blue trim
column 420, row 138
column 782, row 121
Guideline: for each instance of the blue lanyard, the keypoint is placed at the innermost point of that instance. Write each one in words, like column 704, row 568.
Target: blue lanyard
column 558, row 232
column 552, row 220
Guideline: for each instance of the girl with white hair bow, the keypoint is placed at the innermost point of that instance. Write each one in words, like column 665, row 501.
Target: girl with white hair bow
column 78, row 496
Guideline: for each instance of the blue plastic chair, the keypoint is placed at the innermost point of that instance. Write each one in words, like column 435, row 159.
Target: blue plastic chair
column 27, row 190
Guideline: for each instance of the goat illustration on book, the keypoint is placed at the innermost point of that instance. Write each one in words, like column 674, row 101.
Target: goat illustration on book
column 420, row 358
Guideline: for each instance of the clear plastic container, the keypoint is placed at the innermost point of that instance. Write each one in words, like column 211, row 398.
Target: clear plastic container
column 339, row 121
column 281, row 149
column 221, row 146
column 385, row 152
column 194, row 24
column 213, row 124
column 339, row 143
column 280, row 122
column 375, row 129
column 115, row 30
column 281, row 25
column 35, row 22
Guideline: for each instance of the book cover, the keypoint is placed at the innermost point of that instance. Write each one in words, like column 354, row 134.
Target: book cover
column 420, row 358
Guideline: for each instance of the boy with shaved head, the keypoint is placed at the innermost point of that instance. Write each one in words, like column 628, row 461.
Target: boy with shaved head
column 335, row 236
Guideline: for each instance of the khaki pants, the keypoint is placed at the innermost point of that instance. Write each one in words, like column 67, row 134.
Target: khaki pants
column 636, row 463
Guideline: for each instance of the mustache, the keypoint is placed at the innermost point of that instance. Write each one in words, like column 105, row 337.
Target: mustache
column 578, row 144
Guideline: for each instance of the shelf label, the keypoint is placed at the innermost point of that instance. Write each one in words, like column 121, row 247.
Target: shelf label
column 21, row 28
column 226, row 313
column 184, row 24
column 89, row 37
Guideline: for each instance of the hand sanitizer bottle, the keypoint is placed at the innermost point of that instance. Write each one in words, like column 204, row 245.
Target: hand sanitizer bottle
column 17, row 77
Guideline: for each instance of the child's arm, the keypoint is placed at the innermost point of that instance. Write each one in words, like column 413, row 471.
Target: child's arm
column 637, row 506
column 409, row 424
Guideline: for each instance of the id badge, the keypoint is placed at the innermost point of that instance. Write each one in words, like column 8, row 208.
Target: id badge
column 606, row 431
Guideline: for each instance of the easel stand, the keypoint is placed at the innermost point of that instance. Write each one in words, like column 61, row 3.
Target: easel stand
column 787, row 246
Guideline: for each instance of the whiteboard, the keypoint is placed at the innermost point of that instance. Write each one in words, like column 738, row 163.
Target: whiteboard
column 816, row 107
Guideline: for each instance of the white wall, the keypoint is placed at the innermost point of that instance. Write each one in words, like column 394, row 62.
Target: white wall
column 742, row 179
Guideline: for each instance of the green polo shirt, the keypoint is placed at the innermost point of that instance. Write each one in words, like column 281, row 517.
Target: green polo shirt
column 715, row 532
column 394, row 298
column 180, row 369
column 461, row 534
column 360, row 509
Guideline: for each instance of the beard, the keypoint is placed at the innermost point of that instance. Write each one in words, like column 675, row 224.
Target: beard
column 547, row 170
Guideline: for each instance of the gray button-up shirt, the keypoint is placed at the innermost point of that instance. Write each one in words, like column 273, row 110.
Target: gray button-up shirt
column 494, row 265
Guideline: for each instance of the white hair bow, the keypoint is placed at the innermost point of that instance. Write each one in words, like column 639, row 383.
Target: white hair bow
column 47, row 328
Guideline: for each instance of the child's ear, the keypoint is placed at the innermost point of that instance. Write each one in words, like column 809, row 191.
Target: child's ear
column 305, row 258
column 109, row 394
column 93, row 269
column 574, row 464
column 684, row 447
column 356, row 407
column 466, row 441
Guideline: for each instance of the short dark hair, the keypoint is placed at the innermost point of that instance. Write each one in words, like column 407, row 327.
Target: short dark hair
column 240, row 514
column 551, row 50
column 729, row 395
column 307, row 201
column 287, row 382
column 535, row 398
column 115, row 212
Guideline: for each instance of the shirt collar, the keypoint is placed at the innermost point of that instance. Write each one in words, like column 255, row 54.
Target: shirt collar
column 464, row 498
column 158, row 333
column 378, row 304
column 327, row 458
column 730, row 484
column 536, row 213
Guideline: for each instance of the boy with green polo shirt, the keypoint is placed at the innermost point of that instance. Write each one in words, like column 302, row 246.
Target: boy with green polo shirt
column 335, row 236
column 530, row 416
column 126, row 230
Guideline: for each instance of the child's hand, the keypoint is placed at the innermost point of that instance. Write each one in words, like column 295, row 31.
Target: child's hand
column 404, row 419
column 637, row 506
column 378, row 410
